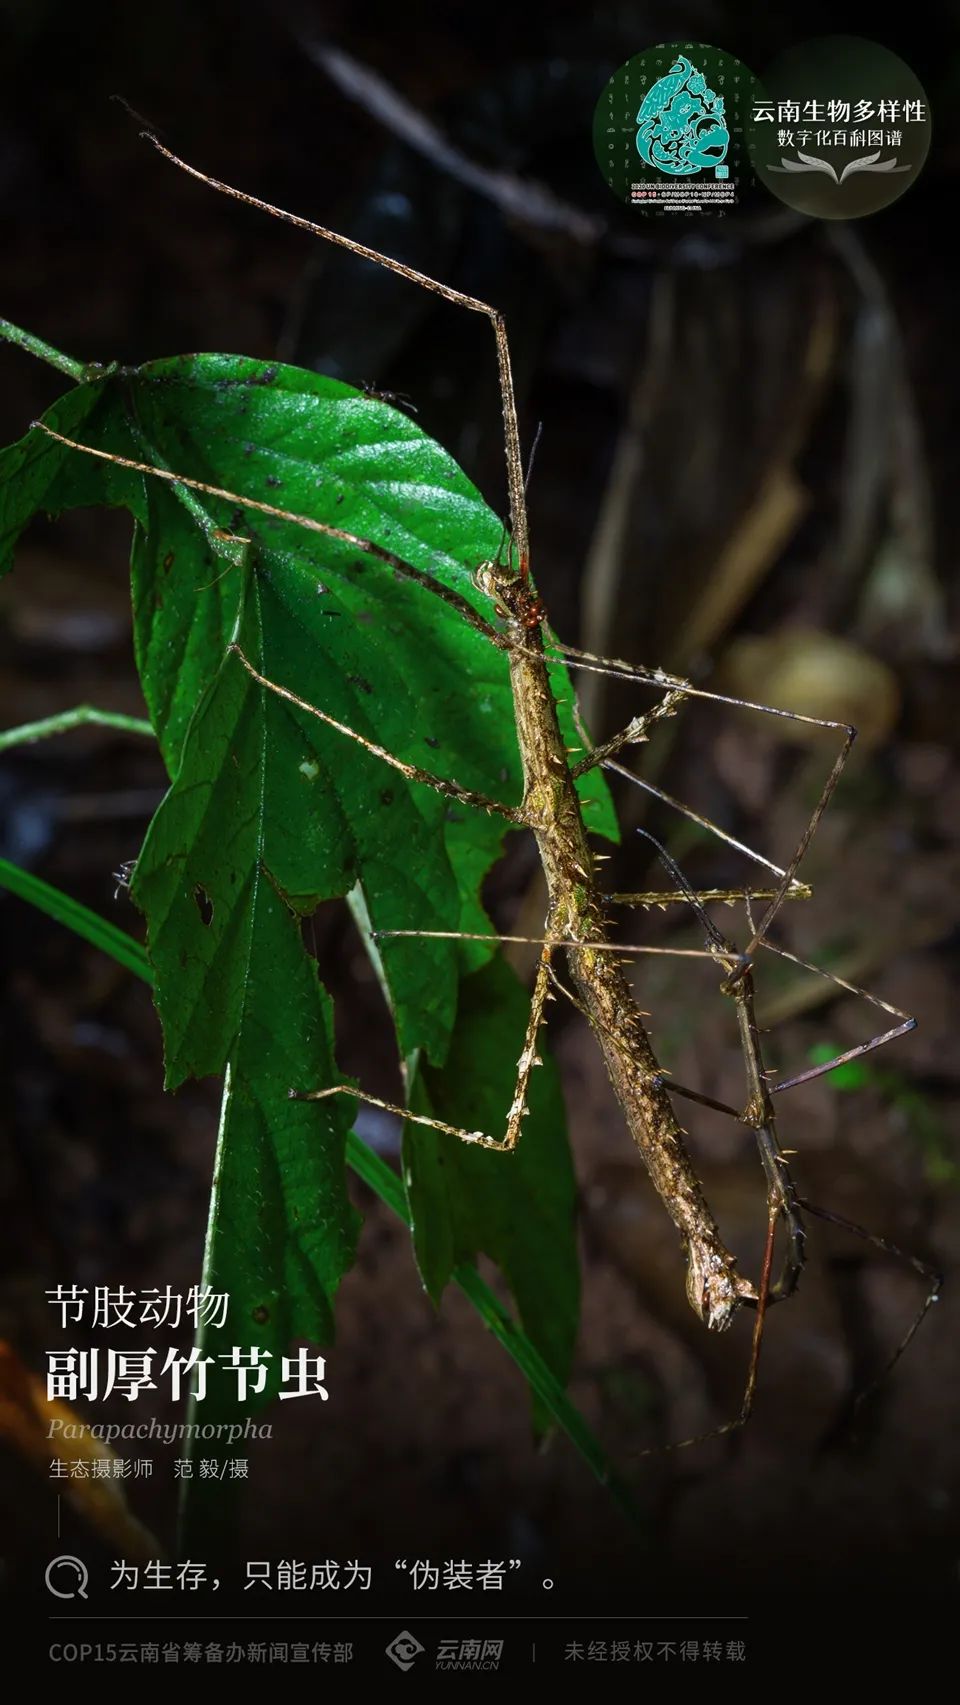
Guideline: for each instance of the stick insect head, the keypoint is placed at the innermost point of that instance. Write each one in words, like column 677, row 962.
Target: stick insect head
column 499, row 580
column 490, row 574
column 510, row 588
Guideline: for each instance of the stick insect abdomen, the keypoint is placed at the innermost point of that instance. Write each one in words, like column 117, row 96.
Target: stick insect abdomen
column 552, row 809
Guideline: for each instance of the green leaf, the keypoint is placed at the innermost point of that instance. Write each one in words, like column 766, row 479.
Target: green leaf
column 271, row 811
column 375, row 1173
column 517, row 1208
column 244, row 993
column 379, row 654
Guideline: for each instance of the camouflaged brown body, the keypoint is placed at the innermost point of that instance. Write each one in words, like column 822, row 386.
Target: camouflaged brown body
column 552, row 809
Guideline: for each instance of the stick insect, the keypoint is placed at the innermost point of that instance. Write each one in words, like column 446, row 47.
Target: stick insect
column 577, row 925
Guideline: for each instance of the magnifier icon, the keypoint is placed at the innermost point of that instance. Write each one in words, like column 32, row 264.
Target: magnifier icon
column 72, row 1574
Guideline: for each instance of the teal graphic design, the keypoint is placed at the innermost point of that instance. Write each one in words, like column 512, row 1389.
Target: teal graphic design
column 669, row 131
column 681, row 124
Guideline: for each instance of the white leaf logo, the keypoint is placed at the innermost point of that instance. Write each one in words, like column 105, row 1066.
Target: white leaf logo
column 809, row 163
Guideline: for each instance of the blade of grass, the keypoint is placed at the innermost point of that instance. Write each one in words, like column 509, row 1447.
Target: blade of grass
column 99, row 931
column 81, row 716
column 377, row 1175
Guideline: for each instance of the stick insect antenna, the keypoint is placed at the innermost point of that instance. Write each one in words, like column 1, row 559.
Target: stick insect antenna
column 532, row 457
column 759, row 1115
column 711, row 932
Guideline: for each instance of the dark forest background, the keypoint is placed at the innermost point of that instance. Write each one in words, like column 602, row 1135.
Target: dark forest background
column 747, row 471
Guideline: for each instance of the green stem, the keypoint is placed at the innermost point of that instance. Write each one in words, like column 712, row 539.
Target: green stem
column 81, row 716
column 188, row 1511
column 77, row 370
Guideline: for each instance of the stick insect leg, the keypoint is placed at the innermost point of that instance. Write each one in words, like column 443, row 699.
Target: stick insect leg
column 602, row 754
column 907, row 1023
column 620, row 949
column 759, row 1113
column 929, row 1274
column 665, row 1076
column 797, row 890
column 518, row 1107
column 550, row 980
column 515, row 476
column 623, row 950
column 706, row 896
column 783, row 1199
column 405, row 570
column 764, row 1297
column 933, row 1279
column 739, row 984
column 658, row 677
column 634, row 734
column 450, row 789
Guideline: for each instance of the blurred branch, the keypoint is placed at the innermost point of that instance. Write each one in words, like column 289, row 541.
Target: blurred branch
column 606, row 562
column 525, row 199
column 886, row 478
column 777, row 504
column 518, row 198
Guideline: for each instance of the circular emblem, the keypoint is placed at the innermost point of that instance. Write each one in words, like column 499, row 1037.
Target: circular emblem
column 839, row 128
column 669, row 129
